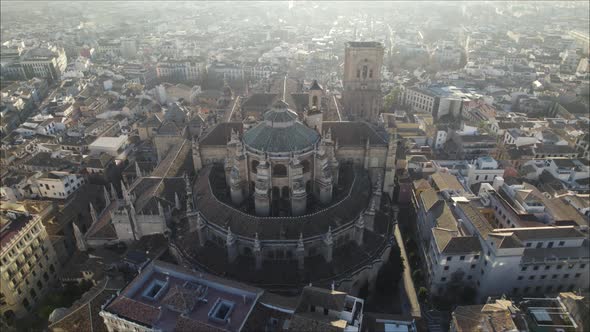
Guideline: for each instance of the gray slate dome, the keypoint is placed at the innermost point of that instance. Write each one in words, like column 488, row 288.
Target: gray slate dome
column 280, row 132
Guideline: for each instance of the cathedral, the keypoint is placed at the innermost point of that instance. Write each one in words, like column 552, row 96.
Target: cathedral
column 280, row 201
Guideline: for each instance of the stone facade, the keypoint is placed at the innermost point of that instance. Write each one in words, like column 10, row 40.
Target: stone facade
column 362, row 80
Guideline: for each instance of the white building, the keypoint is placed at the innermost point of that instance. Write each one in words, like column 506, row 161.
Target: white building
column 113, row 146
column 462, row 248
column 44, row 62
column 57, row 184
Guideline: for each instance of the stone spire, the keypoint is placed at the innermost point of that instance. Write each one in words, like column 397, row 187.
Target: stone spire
column 114, row 192
column 189, row 194
column 230, row 242
column 160, row 209
column 230, row 239
column 257, row 246
column 328, row 245
column 200, row 227
column 93, row 213
column 138, row 170
column 328, row 135
column 359, row 230
column 300, row 253
column 176, row 201
column 107, row 199
column 328, row 238
column 257, row 249
column 126, row 196
column 80, row 241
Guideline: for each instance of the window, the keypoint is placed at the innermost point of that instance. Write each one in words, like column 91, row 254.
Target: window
column 312, row 308
column 547, row 267
column 449, row 259
column 326, row 311
column 549, row 288
column 481, row 271
column 523, row 268
column 532, row 278
column 558, row 267
column 539, row 245
column 550, row 244
column 577, row 275
column 554, row 276
column 536, row 267
column 543, row 276
column 221, row 310
column 446, row 268
column 528, row 245
column 561, row 243
column 443, row 279
column 565, row 276
column 154, row 289
column 472, row 266
column 582, row 266
column 469, row 277
column 476, row 257
column 519, row 277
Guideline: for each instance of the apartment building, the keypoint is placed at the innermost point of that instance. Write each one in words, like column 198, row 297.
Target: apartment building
column 482, row 169
column 565, row 312
column 523, row 205
column 434, row 100
column 167, row 297
column 57, row 184
column 181, row 70
column 460, row 246
column 29, row 263
column 50, row 63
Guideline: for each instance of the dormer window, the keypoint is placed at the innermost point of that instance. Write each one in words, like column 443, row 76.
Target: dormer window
column 221, row 311
column 154, row 289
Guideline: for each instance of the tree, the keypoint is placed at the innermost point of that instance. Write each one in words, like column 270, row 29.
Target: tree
column 392, row 99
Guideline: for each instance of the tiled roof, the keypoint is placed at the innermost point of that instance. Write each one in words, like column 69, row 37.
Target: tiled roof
column 326, row 298
column 476, row 217
column 429, row 198
column 539, row 233
column 220, row 134
column 462, row 244
column 185, row 324
column 85, row 316
column 482, row 318
column 134, row 310
column 353, row 133
column 446, row 181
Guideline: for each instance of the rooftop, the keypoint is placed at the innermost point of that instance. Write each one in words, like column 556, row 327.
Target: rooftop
column 169, row 297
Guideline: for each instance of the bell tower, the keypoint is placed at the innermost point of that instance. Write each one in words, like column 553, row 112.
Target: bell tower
column 362, row 80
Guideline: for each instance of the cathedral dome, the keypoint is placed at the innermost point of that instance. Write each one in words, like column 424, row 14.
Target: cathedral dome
column 280, row 132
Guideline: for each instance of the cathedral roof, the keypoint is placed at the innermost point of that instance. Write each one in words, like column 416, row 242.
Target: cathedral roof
column 280, row 132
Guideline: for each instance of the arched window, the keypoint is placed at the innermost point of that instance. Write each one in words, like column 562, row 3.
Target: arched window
column 365, row 69
column 314, row 101
column 279, row 170
column 254, row 167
